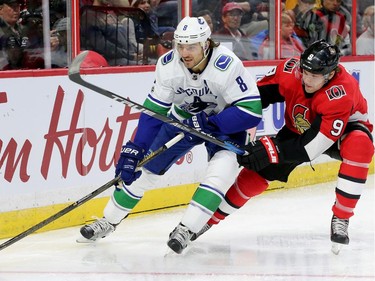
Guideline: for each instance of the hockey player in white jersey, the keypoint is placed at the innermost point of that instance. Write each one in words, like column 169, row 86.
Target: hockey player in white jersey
column 207, row 87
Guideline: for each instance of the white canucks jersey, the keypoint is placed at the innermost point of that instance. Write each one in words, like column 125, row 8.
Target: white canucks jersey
column 223, row 83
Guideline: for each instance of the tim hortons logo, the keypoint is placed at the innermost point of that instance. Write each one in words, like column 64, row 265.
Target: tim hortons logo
column 67, row 143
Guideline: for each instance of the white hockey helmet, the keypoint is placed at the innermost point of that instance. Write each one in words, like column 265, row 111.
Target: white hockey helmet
column 192, row 30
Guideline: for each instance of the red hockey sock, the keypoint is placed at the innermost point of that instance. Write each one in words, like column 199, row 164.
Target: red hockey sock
column 357, row 151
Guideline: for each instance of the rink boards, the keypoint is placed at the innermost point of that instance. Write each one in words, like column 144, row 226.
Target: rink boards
column 58, row 143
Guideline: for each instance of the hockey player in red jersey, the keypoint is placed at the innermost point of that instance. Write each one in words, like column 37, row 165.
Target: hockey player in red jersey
column 325, row 113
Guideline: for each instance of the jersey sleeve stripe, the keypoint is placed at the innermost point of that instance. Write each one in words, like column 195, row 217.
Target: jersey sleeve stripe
column 158, row 102
column 155, row 107
column 257, row 98
column 251, row 107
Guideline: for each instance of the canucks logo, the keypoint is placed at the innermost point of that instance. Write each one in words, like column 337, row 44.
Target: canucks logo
column 168, row 57
column 200, row 21
column 223, row 62
column 197, row 105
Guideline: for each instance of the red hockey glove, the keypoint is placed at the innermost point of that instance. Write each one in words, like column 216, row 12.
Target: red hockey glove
column 262, row 153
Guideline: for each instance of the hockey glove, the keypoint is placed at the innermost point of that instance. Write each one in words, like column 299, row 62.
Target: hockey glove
column 201, row 123
column 126, row 166
column 262, row 153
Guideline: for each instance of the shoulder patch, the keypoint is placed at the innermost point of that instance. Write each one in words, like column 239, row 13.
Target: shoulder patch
column 335, row 92
column 223, row 62
column 290, row 64
column 167, row 58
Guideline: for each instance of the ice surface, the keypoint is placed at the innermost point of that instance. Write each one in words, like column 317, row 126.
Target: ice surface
column 280, row 235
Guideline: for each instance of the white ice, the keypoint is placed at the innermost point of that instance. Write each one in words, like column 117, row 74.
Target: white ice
column 280, row 235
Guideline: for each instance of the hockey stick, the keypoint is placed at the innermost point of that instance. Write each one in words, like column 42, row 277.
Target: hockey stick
column 89, row 196
column 75, row 76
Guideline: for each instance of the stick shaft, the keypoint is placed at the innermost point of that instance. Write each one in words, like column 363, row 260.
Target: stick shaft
column 88, row 196
column 75, row 76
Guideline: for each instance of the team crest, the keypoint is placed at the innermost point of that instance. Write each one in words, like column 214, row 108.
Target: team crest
column 223, row 62
column 197, row 105
column 168, row 57
column 289, row 65
column 335, row 92
column 200, row 21
column 300, row 119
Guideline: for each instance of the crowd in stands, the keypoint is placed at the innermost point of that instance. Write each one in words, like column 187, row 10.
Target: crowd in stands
column 137, row 32
column 302, row 22
column 22, row 39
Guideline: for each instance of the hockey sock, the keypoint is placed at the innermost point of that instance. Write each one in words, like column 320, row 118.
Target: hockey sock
column 205, row 201
column 357, row 151
column 120, row 204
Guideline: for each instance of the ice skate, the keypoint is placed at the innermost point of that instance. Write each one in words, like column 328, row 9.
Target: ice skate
column 96, row 230
column 179, row 238
column 339, row 234
column 205, row 228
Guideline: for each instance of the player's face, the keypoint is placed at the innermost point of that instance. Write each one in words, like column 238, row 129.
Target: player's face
column 332, row 5
column 312, row 82
column 191, row 54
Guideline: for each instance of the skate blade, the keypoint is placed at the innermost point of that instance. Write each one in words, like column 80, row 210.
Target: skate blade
column 84, row 240
column 169, row 252
column 336, row 248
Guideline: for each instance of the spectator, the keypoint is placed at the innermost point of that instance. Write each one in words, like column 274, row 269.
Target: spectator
column 32, row 22
column 214, row 6
column 231, row 33
column 365, row 42
column 157, row 41
column 103, row 32
column 292, row 4
column 299, row 10
column 207, row 15
column 290, row 44
column 59, row 56
column 154, row 4
column 255, row 19
column 13, row 40
column 148, row 27
column 57, row 11
column 135, row 42
column 363, row 4
column 167, row 12
column 330, row 22
column 347, row 6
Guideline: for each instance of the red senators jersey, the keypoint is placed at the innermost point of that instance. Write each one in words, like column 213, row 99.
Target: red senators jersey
column 324, row 114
